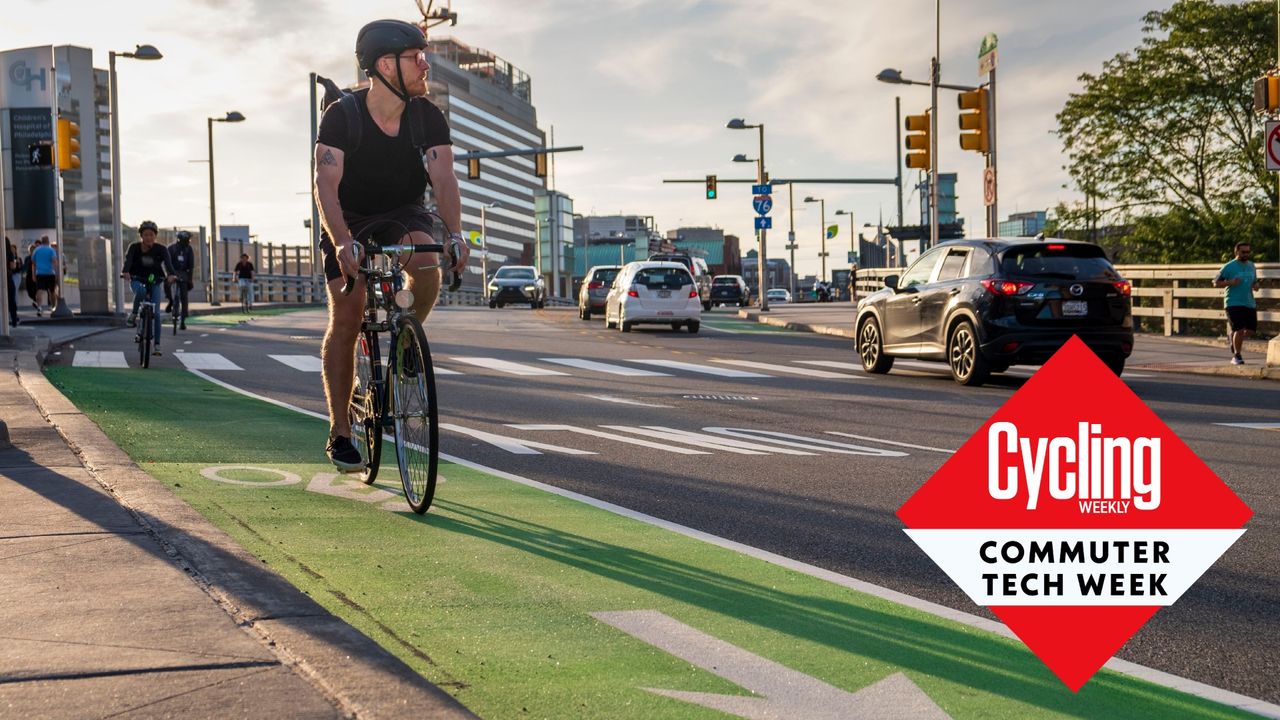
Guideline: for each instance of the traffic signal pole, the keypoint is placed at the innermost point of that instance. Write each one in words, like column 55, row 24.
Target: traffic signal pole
column 993, row 214
column 934, row 77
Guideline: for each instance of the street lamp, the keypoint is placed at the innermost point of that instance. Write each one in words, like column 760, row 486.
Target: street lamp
column 232, row 117
column 822, row 203
column 853, row 236
column 762, row 259
column 484, row 245
column 116, row 256
column 894, row 77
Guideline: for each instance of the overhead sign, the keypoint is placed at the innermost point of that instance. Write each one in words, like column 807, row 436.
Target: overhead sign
column 1074, row 527
column 764, row 223
column 987, row 54
column 765, row 189
column 1272, row 144
column 762, row 203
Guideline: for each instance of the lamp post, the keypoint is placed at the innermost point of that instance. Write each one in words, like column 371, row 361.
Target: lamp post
column 822, row 203
column 762, row 259
column 232, row 116
column 116, row 256
column 484, row 246
column 853, row 237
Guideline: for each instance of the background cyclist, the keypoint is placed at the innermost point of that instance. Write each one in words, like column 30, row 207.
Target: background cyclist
column 182, row 260
column 380, row 185
column 147, row 262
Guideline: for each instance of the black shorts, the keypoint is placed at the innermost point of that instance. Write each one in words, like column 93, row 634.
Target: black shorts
column 385, row 229
column 1242, row 317
column 46, row 282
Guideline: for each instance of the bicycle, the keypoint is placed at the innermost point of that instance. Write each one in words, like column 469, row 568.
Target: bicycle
column 399, row 396
column 180, row 303
column 146, row 323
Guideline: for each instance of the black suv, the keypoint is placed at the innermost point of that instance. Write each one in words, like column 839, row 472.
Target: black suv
column 730, row 290
column 983, row 305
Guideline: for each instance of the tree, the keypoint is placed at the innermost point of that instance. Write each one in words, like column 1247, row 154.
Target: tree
column 1164, row 139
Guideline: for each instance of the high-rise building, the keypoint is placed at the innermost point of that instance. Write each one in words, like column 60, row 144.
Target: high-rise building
column 613, row 240
column 1025, row 224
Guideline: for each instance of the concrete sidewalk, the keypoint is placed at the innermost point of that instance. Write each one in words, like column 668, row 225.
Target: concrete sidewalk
column 1204, row 356
column 116, row 598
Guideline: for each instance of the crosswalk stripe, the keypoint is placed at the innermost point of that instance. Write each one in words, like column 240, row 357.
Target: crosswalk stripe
column 832, row 364
column 706, row 369
column 788, row 369
column 99, row 359
column 206, row 361
column 507, row 366
column 605, row 367
column 305, row 363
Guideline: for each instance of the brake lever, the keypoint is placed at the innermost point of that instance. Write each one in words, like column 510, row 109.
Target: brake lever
column 457, row 276
column 351, row 281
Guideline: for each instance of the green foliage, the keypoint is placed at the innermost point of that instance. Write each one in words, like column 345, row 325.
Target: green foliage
column 1165, row 141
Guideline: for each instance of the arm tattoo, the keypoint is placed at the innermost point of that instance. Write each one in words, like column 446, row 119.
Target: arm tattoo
column 327, row 158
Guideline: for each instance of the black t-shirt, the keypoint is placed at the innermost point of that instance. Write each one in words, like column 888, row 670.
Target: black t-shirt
column 140, row 263
column 384, row 173
column 244, row 270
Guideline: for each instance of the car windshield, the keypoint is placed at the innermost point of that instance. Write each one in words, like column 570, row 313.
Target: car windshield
column 663, row 278
column 515, row 273
column 777, row 293
column 725, row 281
column 685, row 261
column 605, row 275
column 1062, row 261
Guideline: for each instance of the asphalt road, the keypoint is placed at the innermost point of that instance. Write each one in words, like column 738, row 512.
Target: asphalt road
column 832, row 503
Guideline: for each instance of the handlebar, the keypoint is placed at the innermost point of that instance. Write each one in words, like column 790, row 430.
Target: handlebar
column 372, row 249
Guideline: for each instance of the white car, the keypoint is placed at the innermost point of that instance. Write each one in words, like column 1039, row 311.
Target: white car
column 657, row 293
column 778, row 295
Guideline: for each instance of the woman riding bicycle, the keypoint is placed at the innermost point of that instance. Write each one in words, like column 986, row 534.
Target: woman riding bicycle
column 146, row 263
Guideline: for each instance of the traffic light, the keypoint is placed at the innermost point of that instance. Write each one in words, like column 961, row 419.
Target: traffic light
column 68, row 145
column 917, row 141
column 41, row 154
column 711, row 187
column 973, row 121
column 1266, row 94
column 540, row 164
column 473, row 168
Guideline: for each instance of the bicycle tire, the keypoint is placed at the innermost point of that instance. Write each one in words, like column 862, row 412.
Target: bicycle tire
column 175, row 323
column 365, row 409
column 411, row 401
column 145, row 331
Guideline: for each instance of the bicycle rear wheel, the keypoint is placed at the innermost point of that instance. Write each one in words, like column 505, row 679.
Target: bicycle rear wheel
column 366, row 405
column 145, row 322
column 412, row 406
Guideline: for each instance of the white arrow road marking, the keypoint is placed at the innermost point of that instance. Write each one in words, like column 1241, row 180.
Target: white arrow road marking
column 305, row 363
column 444, row 371
column 605, row 367
column 707, row 442
column 832, row 364
column 611, row 436
column 511, row 445
column 624, row 401
column 691, row 367
column 890, row 442
column 779, row 691
column 800, row 441
column 507, row 366
column 1253, row 426
column 206, row 361
column 790, row 370
column 100, row 359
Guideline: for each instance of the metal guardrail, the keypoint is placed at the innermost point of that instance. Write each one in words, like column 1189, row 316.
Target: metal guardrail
column 1171, row 293
column 305, row 289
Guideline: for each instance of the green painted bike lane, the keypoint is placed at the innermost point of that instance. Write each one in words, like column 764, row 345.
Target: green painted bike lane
column 731, row 324
column 497, row 593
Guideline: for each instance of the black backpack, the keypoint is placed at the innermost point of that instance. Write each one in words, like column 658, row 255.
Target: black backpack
column 353, row 107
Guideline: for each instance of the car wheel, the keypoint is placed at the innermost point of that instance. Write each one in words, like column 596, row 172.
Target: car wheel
column 706, row 307
column 1116, row 363
column 870, row 348
column 501, row 304
column 626, row 326
column 585, row 313
column 542, row 303
column 693, row 327
column 968, row 366
column 492, row 304
column 675, row 326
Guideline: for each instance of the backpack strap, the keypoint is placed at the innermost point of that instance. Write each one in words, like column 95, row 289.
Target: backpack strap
column 416, row 115
column 351, row 107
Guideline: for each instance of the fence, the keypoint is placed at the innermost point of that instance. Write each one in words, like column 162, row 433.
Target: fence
column 305, row 289
column 1169, row 296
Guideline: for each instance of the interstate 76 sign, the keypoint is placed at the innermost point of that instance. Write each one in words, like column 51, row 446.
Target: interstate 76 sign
column 1074, row 514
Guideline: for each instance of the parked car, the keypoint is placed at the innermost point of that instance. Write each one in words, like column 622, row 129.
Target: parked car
column 653, row 293
column 778, row 295
column 595, row 288
column 697, row 267
column 984, row 305
column 517, row 284
column 730, row 290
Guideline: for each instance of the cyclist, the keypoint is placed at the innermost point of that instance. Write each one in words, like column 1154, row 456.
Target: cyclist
column 144, row 262
column 370, row 182
column 182, row 260
column 244, row 278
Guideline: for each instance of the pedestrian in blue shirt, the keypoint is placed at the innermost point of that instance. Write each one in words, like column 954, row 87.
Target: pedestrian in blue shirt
column 1240, row 278
column 45, row 260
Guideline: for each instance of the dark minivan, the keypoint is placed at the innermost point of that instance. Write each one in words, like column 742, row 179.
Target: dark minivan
column 984, row 305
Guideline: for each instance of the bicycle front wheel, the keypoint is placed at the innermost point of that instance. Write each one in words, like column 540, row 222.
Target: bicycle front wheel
column 413, row 413
column 145, row 339
column 365, row 408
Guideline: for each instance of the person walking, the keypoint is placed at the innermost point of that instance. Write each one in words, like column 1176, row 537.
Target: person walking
column 12, row 276
column 45, row 259
column 1240, row 278
column 244, row 277
column 29, row 276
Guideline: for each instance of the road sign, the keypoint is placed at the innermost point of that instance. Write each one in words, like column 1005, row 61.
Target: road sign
column 764, row 223
column 1074, row 527
column 989, row 186
column 765, row 189
column 1273, row 144
column 853, row 258
column 762, row 203
column 987, row 54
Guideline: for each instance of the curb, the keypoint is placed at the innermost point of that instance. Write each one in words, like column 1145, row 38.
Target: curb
column 359, row 676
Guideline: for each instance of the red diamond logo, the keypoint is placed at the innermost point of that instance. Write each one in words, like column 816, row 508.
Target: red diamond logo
column 1074, row 514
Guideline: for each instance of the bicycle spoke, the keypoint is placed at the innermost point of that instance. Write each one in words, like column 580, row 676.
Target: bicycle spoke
column 414, row 414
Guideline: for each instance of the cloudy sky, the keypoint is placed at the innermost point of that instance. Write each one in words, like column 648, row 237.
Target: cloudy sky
column 646, row 86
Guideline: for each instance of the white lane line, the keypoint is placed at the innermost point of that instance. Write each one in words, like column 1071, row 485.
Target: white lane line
column 787, row 369
column 705, row 441
column 187, row 342
column 706, row 369
column 445, row 371
column 511, row 445
column 506, row 366
column 206, row 361
column 604, row 367
column 624, row 401
column 100, row 359
column 305, row 363
column 1253, row 426
column 891, row 442
column 611, row 436
column 832, row 364
column 1164, row 679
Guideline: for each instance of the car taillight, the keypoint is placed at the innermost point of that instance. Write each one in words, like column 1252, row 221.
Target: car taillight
column 1125, row 287
column 693, row 293
column 595, row 285
column 633, row 293
column 1007, row 287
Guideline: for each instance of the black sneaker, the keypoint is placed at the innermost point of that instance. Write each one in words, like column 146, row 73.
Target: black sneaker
column 343, row 454
column 131, row 321
column 183, row 326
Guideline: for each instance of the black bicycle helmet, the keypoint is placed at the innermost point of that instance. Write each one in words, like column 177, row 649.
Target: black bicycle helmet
column 387, row 37
column 147, row 225
column 184, row 235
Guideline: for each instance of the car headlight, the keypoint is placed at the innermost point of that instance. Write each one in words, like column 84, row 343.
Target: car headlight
column 493, row 286
column 530, row 288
